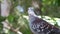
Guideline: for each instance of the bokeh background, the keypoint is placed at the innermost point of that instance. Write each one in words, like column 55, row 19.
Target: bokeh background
column 14, row 16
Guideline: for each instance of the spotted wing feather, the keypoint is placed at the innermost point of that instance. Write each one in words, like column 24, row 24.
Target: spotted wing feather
column 42, row 27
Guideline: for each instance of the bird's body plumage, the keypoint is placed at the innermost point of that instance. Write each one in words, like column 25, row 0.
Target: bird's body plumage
column 40, row 26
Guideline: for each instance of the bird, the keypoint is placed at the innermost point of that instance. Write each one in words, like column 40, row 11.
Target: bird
column 39, row 26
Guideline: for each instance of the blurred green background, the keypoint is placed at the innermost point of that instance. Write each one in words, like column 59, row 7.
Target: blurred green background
column 18, row 16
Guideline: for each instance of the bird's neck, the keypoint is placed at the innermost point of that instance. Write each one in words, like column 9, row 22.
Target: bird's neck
column 32, row 17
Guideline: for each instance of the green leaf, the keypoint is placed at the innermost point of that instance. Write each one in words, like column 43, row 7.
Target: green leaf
column 11, row 18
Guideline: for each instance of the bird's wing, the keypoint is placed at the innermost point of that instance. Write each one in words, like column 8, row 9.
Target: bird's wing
column 39, row 25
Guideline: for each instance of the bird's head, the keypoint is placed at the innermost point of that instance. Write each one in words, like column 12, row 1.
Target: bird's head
column 31, row 11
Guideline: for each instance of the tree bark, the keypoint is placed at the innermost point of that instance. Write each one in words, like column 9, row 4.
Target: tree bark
column 5, row 8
